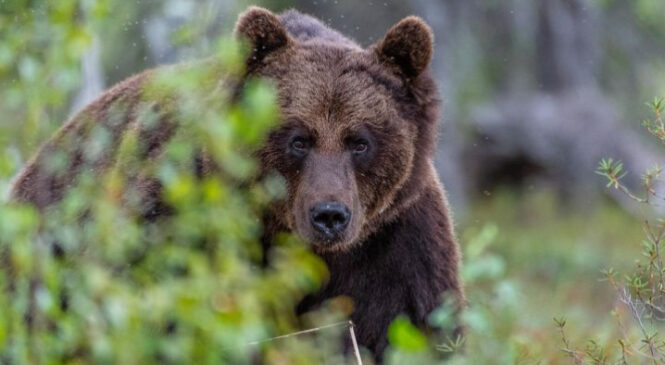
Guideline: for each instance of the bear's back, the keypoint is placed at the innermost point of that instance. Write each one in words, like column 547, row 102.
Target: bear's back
column 306, row 29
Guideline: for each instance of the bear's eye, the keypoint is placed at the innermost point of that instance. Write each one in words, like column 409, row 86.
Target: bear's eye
column 299, row 145
column 360, row 146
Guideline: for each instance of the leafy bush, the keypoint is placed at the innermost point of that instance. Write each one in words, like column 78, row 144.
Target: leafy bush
column 89, row 280
column 640, row 293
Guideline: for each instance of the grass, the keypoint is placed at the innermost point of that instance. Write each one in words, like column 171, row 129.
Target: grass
column 543, row 260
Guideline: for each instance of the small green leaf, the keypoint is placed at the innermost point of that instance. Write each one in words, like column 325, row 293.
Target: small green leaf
column 405, row 336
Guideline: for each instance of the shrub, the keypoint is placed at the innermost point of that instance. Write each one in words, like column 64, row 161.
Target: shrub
column 639, row 310
column 89, row 280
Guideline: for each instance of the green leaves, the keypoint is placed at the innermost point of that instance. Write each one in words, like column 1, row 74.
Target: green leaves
column 101, row 280
column 405, row 336
column 612, row 170
column 641, row 292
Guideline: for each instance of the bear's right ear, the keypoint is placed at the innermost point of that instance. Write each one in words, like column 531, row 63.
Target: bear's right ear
column 263, row 30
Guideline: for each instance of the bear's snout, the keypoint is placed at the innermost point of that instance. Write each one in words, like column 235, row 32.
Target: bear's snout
column 330, row 219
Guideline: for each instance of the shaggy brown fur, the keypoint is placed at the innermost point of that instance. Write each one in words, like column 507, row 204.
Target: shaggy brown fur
column 358, row 131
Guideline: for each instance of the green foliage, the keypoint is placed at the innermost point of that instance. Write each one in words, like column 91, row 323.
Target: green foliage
column 42, row 42
column 89, row 280
column 641, row 292
column 405, row 336
column 612, row 170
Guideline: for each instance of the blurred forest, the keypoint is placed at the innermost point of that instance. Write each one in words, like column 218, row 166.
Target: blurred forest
column 535, row 94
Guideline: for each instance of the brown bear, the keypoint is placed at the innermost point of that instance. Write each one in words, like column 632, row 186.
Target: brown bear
column 355, row 144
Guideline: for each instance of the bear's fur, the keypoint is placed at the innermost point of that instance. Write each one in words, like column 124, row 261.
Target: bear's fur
column 358, row 128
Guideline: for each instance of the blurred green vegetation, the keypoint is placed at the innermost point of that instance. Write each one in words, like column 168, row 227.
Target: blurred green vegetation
column 40, row 56
column 532, row 260
column 89, row 280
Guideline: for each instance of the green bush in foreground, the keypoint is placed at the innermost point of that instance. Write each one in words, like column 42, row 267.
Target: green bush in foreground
column 639, row 311
column 90, row 281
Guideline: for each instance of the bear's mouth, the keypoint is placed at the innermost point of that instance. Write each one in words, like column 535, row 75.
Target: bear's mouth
column 324, row 244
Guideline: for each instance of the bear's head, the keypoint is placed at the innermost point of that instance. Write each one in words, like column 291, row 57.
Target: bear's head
column 357, row 132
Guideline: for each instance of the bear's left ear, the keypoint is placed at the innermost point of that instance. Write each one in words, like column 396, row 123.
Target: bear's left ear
column 408, row 45
column 263, row 30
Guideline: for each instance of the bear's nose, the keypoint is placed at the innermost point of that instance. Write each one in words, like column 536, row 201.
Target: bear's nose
column 330, row 218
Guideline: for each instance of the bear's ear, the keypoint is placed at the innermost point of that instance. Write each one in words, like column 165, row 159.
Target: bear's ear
column 408, row 45
column 263, row 30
